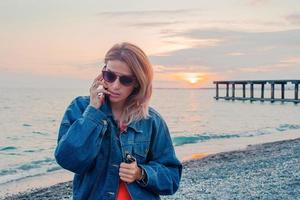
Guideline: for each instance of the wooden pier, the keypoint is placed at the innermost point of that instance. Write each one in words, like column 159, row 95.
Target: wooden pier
column 262, row 84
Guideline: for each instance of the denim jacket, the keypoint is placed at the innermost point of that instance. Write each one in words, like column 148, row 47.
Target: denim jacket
column 89, row 145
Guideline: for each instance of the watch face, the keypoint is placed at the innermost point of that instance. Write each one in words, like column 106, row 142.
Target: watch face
column 143, row 173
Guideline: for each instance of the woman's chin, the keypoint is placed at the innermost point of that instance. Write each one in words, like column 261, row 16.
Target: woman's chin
column 115, row 99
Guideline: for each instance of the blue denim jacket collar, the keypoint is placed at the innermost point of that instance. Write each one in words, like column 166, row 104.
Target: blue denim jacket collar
column 106, row 108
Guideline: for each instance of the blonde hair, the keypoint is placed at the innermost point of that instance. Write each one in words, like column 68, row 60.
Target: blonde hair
column 137, row 104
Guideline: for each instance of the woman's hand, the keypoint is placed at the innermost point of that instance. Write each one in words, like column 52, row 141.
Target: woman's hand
column 97, row 95
column 130, row 172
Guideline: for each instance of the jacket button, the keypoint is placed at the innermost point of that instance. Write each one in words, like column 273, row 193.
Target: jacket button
column 104, row 122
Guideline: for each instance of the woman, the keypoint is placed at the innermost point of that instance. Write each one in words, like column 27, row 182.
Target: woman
column 117, row 146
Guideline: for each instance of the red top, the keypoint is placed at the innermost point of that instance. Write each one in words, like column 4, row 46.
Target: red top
column 122, row 193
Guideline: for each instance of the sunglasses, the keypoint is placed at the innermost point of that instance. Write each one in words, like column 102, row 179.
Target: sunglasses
column 111, row 77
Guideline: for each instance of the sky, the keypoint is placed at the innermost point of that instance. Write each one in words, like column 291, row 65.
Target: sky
column 191, row 43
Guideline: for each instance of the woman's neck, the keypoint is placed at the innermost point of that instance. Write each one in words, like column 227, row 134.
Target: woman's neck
column 117, row 109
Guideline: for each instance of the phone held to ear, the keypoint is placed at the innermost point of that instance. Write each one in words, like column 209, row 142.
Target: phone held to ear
column 102, row 95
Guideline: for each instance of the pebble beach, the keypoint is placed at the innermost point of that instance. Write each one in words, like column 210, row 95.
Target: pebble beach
column 263, row 171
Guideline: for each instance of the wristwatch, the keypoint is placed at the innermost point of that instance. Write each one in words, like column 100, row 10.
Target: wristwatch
column 143, row 179
column 143, row 174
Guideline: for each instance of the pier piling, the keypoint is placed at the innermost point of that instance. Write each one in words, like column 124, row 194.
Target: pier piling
column 262, row 91
column 251, row 90
column 296, row 91
column 272, row 92
column 282, row 90
column 227, row 90
column 244, row 90
column 233, row 91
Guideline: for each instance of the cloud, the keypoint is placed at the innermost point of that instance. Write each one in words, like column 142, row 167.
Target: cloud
column 257, row 2
column 291, row 60
column 88, row 65
column 187, row 77
column 235, row 54
column 176, row 69
column 263, row 68
column 87, row 69
column 287, row 68
column 236, row 50
column 147, row 13
column 293, row 19
column 150, row 18
column 22, row 79
column 155, row 24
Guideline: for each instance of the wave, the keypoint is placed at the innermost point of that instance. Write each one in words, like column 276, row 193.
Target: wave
column 285, row 127
column 33, row 168
column 40, row 133
column 195, row 138
column 21, row 178
column 7, row 171
column 8, row 148
column 54, row 168
column 181, row 140
column 33, row 150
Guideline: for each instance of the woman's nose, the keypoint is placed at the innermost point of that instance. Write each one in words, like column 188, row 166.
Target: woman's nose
column 116, row 84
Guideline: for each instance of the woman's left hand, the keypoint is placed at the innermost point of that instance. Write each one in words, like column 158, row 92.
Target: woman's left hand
column 130, row 172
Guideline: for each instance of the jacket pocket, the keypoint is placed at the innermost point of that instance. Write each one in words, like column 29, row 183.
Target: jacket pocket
column 140, row 151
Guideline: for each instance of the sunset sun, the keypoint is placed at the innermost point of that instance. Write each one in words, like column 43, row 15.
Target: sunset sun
column 192, row 78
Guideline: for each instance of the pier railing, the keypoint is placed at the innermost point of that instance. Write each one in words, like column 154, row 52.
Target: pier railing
column 262, row 83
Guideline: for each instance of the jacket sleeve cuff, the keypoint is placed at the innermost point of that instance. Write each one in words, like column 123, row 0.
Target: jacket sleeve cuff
column 147, row 170
column 95, row 115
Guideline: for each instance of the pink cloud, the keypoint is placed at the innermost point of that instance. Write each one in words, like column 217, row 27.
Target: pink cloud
column 257, row 2
column 294, row 19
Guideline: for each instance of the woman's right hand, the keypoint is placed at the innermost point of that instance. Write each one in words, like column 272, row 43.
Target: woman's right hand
column 97, row 95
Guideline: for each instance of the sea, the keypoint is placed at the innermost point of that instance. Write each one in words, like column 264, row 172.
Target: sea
column 30, row 119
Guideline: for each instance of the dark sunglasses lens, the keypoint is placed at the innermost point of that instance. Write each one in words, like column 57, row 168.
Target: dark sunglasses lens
column 126, row 80
column 109, row 76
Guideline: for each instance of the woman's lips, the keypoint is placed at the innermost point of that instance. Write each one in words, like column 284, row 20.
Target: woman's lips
column 114, row 94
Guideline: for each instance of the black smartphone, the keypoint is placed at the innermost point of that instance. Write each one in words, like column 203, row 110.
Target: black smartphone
column 129, row 158
column 105, row 95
